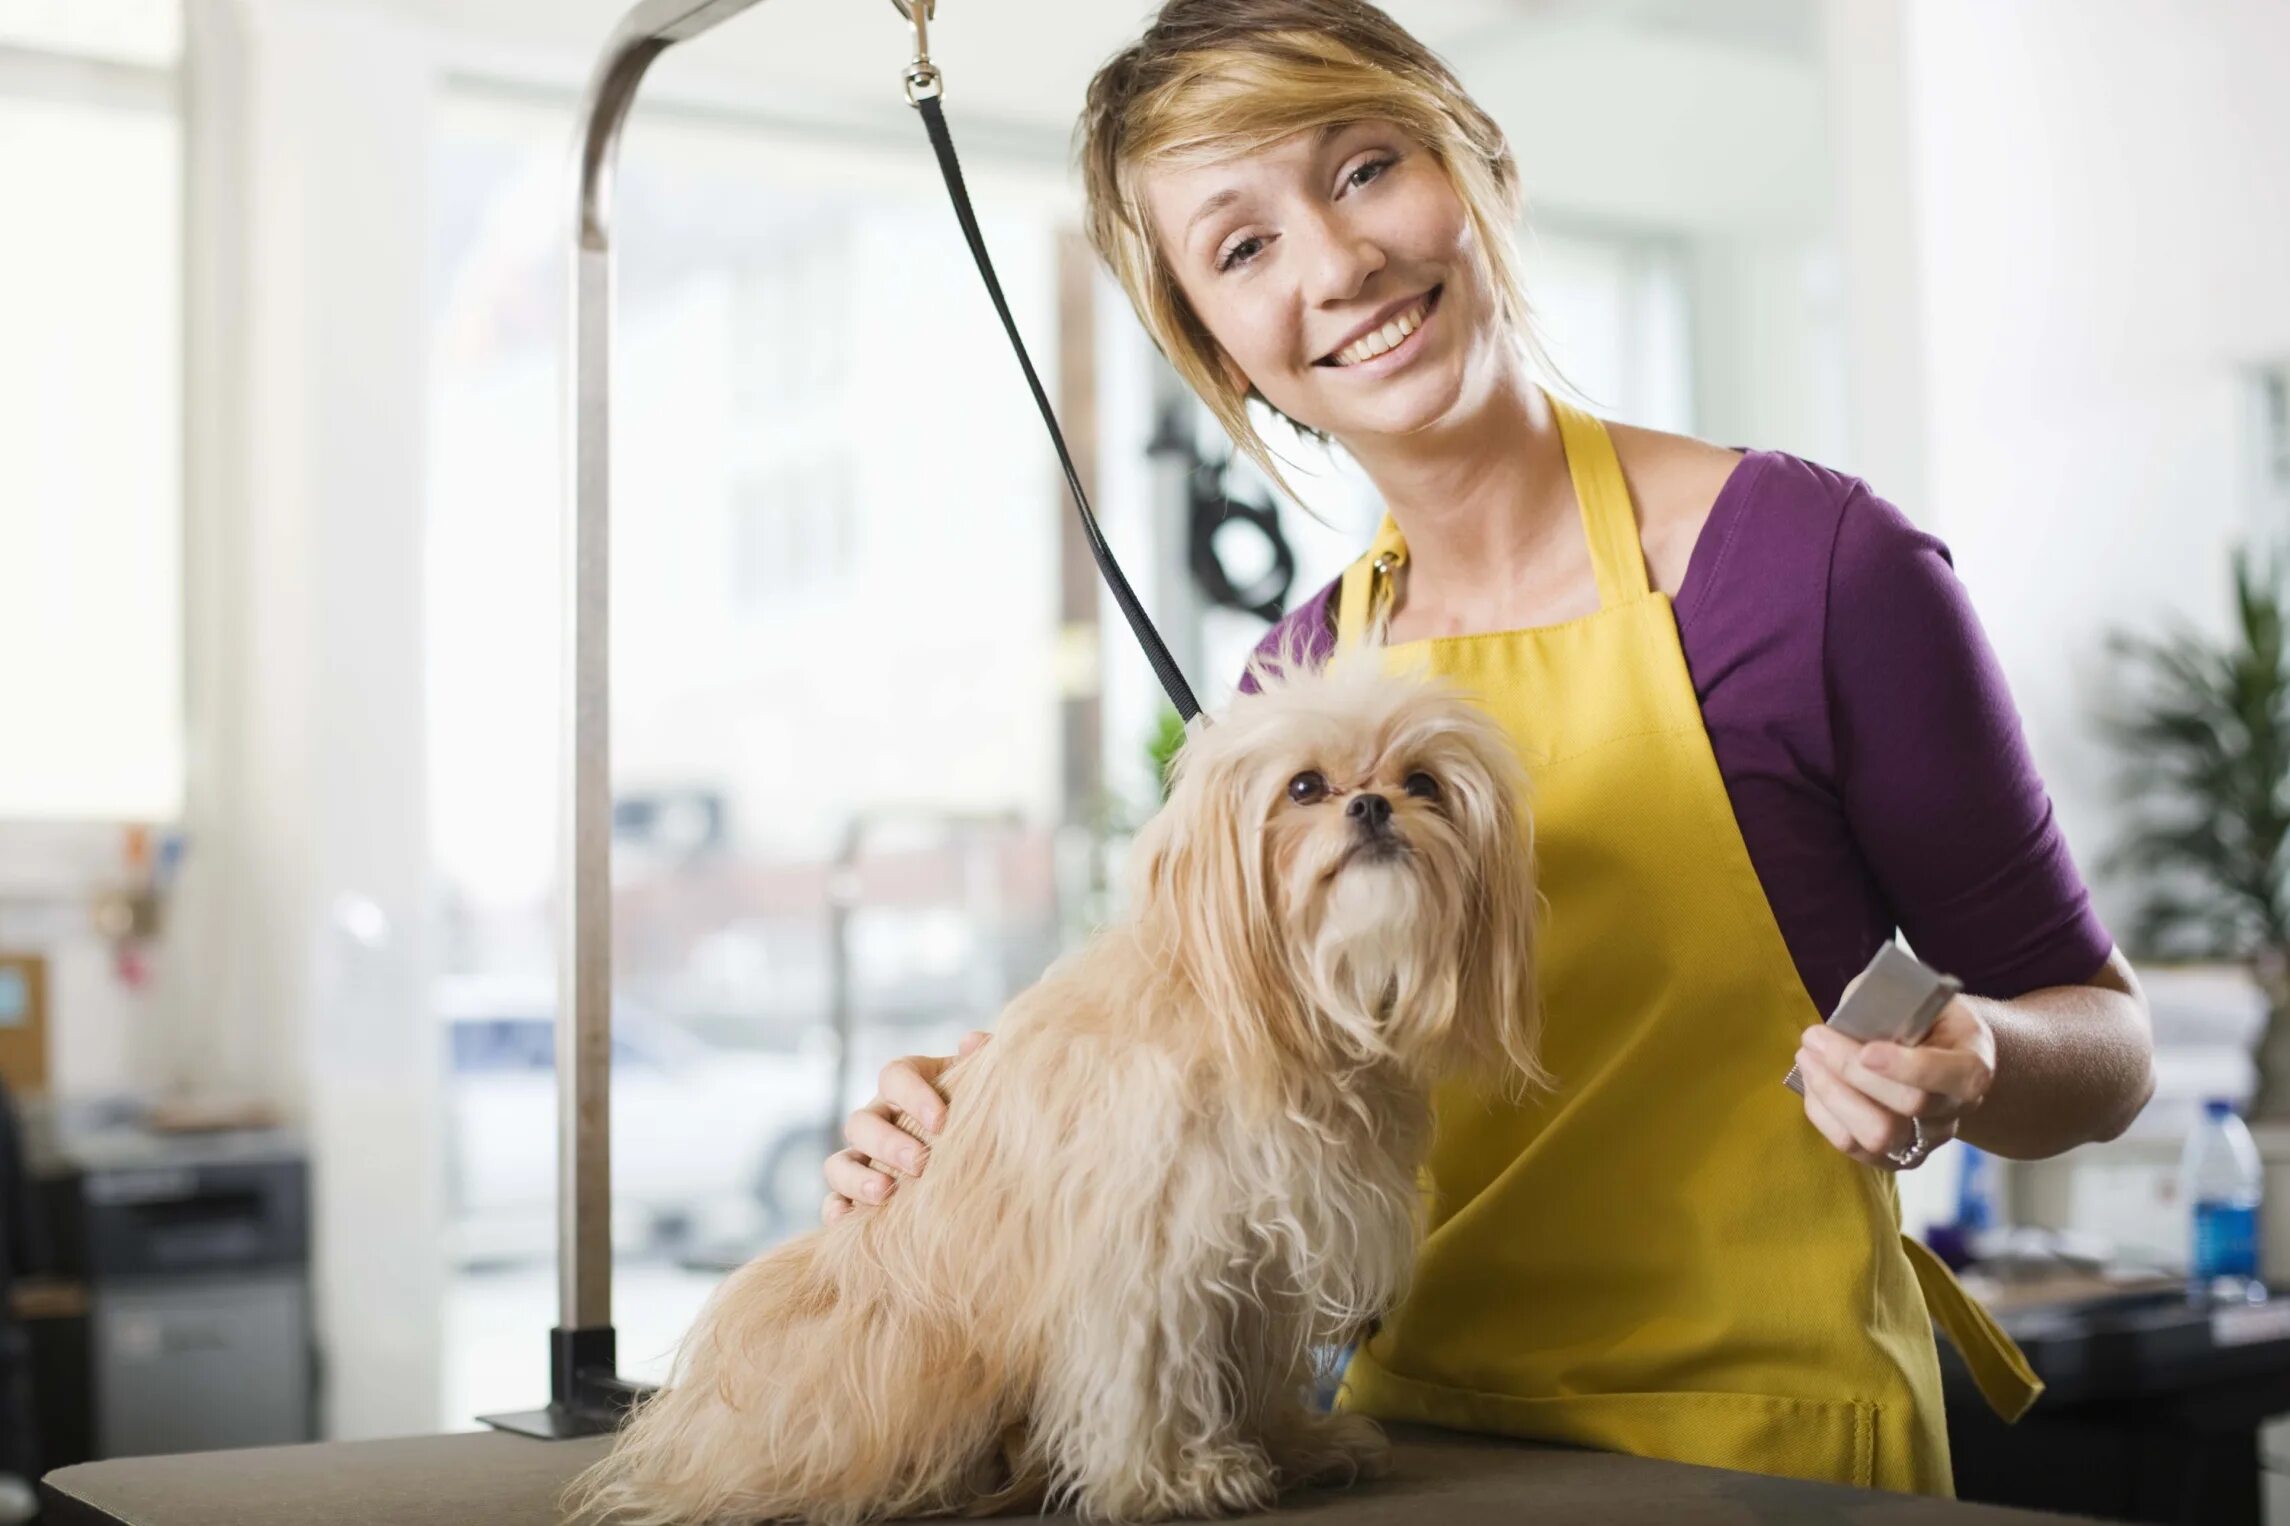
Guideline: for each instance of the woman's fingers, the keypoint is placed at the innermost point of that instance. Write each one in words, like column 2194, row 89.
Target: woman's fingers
column 1830, row 1101
column 1944, row 1081
column 1833, row 1131
column 869, row 1133
column 909, row 1089
column 1942, row 1078
column 1875, row 1130
column 1893, row 1094
column 854, row 1174
column 910, row 1085
column 852, row 1177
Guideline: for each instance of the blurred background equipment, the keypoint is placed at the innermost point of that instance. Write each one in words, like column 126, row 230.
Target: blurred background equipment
column 1231, row 574
column 176, row 1277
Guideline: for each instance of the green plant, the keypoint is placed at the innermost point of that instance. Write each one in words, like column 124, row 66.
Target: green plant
column 1168, row 736
column 2204, row 730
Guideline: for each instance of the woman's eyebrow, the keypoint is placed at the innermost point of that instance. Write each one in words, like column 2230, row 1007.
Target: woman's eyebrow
column 1229, row 195
column 1216, row 203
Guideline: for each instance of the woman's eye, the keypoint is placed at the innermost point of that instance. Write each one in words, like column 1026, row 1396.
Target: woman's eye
column 1234, row 256
column 1422, row 786
column 1307, row 787
column 1368, row 172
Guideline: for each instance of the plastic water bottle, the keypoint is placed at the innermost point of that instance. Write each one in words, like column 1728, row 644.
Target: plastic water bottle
column 1959, row 1241
column 2220, row 1181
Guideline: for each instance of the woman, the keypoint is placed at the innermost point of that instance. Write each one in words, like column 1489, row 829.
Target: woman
column 1765, row 732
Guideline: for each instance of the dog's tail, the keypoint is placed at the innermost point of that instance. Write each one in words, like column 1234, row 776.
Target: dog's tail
column 812, row 1388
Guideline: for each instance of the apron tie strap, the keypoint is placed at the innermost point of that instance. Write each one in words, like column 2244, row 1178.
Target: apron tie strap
column 2005, row 1380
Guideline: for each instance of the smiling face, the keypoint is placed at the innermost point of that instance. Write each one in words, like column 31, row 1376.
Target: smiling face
column 1339, row 274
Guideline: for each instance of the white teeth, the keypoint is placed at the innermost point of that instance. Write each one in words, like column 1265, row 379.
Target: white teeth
column 1372, row 345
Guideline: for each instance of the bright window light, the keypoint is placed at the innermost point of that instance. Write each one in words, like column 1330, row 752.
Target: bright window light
column 91, row 653
column 124, row 31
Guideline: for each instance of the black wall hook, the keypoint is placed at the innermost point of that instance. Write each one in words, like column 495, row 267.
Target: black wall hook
column 1210, row 506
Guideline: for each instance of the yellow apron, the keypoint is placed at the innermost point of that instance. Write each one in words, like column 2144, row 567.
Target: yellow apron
column 1662, row 1256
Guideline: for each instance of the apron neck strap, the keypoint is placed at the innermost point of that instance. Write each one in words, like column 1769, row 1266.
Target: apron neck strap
column 1363, row 601
column 1608, row 522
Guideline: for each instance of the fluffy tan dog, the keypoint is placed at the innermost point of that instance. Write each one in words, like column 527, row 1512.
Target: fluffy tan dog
column 1188, row 1158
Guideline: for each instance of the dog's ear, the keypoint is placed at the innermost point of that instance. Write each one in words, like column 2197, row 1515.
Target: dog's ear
column 1202, row 888
column 1500, row 1018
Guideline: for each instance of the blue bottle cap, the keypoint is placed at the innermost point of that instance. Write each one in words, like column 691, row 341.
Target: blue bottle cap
column 2218, row 1107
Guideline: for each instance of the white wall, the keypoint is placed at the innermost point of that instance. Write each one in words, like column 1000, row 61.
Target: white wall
column 1720, row 146
column 1625, row 124
column 1882, row 388
column 91, row 314
column 300, row 949
column 102, row 1027
column 2102, row 233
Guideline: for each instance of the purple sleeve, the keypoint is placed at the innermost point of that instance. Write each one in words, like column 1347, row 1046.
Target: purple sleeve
column 1934, row 772
column 1306, row 633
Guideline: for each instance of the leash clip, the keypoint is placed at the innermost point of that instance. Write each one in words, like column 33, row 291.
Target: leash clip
column 921, row 77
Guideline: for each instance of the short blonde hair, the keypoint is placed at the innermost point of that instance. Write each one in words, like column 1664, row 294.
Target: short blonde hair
column 1214, row 79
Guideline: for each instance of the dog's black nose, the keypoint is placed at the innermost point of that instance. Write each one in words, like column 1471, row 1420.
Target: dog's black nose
column 1372, row 812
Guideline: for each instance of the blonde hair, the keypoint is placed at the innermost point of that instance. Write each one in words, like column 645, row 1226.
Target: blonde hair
column 1215, row 79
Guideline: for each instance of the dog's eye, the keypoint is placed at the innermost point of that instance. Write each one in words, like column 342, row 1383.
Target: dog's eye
column 1307, row 787
column 1422, row 786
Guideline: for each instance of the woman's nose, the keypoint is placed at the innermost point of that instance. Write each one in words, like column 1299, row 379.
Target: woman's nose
column 1341, row 259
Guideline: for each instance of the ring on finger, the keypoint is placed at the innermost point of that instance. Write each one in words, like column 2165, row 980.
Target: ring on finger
column 1911, row 1155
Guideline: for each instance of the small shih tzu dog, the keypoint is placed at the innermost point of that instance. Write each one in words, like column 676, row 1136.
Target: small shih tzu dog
column 1188, row 1159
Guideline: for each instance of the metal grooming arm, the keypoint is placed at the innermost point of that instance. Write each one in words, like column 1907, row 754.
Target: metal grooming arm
column 586, row 1393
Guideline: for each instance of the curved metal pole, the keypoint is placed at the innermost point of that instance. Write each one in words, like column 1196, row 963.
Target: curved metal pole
column 584, row 1387
column 584, row 1043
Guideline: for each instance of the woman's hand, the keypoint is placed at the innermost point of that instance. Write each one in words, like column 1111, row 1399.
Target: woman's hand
column 1889, row 1106
column 908, row 1089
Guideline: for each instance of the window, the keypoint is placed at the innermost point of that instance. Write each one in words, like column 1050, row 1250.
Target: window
column 834, row 593
column 133, row 32
column 1612, row 310
column 91, row 649
column 795, row 528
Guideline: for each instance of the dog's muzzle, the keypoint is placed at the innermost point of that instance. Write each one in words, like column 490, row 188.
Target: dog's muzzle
column 1375, row 839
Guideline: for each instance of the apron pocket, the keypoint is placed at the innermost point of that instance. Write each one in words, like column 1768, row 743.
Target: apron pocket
column 1821, row 1440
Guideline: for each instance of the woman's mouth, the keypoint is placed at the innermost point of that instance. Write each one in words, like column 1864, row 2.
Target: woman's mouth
column 1389, row 347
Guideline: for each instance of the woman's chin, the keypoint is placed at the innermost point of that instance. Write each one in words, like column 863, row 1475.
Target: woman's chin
column 1407, row 404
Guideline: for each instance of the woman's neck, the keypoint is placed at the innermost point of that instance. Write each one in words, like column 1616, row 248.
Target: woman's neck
column 1482, row 500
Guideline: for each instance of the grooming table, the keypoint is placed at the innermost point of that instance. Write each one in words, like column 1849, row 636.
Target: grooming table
column 499, row 1479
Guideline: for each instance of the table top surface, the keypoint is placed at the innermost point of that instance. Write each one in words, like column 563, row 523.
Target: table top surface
column 507, row 1480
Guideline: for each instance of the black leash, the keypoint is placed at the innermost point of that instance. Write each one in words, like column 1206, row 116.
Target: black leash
column 923, row 89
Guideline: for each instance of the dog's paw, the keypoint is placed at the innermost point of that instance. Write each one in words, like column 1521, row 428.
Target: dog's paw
column 1233, row 1479
column 1331, row 1449
column 1229, row 1480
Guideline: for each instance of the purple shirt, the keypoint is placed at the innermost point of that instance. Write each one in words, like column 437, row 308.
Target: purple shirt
column 1867, row 739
